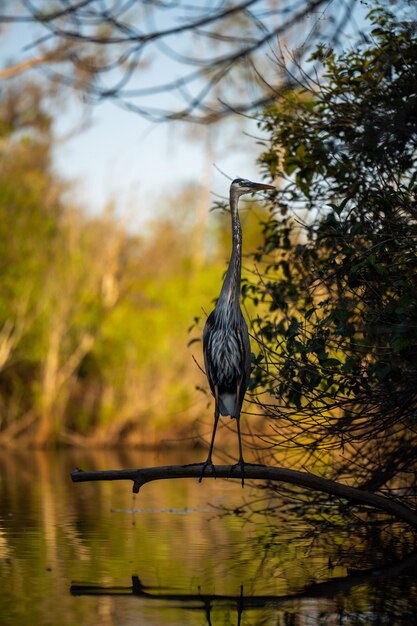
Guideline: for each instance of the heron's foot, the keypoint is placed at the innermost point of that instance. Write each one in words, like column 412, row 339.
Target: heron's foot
column 241, row 465
column 208, row 463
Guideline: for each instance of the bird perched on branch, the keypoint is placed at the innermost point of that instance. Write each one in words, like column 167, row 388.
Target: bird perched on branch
column 226, row 345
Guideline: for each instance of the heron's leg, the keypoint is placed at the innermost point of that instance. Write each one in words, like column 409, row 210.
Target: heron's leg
column 241, row 462
column 209, row 460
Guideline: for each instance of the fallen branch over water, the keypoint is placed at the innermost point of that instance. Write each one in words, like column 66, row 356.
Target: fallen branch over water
column 145, row 475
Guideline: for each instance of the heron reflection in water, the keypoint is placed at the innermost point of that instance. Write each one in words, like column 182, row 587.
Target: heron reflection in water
column 226, row 345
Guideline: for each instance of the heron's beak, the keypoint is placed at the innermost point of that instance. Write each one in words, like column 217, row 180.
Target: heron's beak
column 259, row 186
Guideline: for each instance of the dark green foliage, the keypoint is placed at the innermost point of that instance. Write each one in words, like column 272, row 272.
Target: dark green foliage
column 340, row 266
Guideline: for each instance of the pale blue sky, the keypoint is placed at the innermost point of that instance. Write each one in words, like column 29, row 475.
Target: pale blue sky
column 123, row 158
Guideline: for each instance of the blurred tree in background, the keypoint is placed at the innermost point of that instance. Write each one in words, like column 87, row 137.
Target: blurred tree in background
column 338, row 265
column 94, row 319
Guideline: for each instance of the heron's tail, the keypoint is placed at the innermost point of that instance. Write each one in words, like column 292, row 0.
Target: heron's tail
column 228, row 404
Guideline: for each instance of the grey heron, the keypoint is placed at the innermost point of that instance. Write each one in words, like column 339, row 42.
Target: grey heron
column 226, row 345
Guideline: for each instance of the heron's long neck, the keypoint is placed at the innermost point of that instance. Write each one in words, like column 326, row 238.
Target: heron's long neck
column 230, row 292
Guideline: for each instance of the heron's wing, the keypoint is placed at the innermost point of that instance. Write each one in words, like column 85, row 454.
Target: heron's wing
column 245, row 349
column 242, row 363
column 207, row 333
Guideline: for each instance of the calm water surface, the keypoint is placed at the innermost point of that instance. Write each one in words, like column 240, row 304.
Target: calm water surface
column 92, row 553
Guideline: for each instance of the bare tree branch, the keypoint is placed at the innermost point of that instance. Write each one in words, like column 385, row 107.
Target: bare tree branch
column 257, row 472
column 113, row 45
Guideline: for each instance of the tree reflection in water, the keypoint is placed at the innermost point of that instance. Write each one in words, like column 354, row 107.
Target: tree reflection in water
column 387, row 594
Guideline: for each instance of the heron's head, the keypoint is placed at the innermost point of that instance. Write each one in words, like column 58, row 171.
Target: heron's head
column 240, row 186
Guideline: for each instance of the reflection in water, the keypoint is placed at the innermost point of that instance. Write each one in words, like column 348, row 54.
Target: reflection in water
column 196, row 564
column 240, row 603
column 338, row 588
